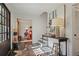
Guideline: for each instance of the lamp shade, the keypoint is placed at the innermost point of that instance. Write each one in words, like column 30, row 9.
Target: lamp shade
column 59, row 22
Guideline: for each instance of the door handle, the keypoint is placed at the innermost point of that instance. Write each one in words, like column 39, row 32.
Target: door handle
column 75, row 35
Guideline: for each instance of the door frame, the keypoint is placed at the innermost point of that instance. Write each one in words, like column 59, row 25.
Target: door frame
column 18, row 26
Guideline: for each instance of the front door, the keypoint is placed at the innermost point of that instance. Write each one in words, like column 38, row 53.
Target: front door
column 75, row 29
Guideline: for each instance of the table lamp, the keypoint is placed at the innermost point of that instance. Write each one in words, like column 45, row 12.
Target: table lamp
column 59, row 23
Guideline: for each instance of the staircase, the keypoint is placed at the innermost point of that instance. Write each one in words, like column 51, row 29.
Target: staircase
column 43, row 41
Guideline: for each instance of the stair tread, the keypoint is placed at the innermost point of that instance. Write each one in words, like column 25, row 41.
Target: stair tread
column 41, row 41
column 35, row 44
column 44, row 39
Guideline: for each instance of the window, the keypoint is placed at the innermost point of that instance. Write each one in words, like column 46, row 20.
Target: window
column 4, row 23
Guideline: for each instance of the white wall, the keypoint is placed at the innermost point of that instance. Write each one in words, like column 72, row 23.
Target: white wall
column 60, row 11
column 36, row 29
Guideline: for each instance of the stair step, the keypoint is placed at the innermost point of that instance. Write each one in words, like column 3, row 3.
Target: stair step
column 35, row 44
column 44, row 39
column 41, row 41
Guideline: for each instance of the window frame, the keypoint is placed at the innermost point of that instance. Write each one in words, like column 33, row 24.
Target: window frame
column 5, row 23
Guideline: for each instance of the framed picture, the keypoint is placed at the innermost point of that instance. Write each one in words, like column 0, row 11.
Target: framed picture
column 50, row 16
column 54, row 14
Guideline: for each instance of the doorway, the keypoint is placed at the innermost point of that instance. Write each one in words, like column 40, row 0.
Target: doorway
column 24, row 29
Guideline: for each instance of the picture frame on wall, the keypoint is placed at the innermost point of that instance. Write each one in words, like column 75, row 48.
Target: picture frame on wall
column 54, row 14
column 50, row 16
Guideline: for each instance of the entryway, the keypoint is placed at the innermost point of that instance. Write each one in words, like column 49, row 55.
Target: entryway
column 24, row 27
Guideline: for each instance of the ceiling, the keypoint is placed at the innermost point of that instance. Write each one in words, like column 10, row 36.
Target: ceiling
column 31, row 9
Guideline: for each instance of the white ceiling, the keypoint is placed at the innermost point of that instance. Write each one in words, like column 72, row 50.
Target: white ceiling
column 31, row 9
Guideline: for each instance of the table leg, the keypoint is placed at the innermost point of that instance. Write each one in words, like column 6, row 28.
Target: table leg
column 66, row 48
column 59, row 48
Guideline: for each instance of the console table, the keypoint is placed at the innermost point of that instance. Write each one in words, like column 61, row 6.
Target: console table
column 62, row 39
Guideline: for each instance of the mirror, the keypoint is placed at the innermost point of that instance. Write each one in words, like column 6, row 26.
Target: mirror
column 57, row 21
